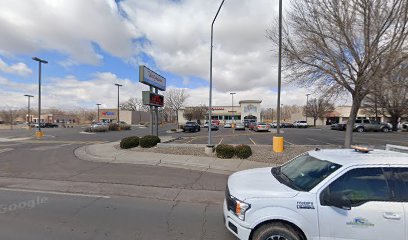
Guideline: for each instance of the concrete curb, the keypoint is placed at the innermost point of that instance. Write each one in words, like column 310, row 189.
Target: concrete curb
column 109, row 153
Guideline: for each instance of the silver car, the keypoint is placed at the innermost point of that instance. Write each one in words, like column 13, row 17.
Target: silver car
column 240, row 126
column 261, row 127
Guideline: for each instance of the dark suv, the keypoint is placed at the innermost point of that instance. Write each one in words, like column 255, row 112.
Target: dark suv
column 191, row 127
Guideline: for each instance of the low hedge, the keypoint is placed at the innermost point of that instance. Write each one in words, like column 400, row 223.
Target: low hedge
column 125, row 127
column 149, row 141
column 225, row 151
column 243, row 151
column 113, row 127
column 129, row 142
column 97, row 129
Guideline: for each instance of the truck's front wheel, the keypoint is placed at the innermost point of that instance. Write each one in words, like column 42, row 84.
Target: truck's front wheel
column 276, row 231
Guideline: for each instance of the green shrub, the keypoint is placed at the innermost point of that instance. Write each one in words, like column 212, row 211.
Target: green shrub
column 243, row 151
column 129, row 142
column 88, row 129
column 147, row 124
column 225, row 151
column 113, row 127
column 125, row 127
column 173, row 130
column 149, row 141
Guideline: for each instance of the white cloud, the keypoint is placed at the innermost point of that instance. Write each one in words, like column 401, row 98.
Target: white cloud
column 17, row 68
column 70, row 92
column 70, row 27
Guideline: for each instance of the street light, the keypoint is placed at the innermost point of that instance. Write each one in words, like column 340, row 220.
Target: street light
column 28, row 109
column 307, row 103
column 210, row 101
column 118, row 85
column 98, row 104
column 232, row 106
column 39, row 133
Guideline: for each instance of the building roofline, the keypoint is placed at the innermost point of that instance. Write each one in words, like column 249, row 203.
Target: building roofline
column 250, row 101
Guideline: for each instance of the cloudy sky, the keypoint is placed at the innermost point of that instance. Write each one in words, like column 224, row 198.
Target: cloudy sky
column 92, row 44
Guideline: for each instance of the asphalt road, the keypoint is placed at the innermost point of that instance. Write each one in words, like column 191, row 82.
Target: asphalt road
column 40, row 216
column 144, row 201
column 294, row 136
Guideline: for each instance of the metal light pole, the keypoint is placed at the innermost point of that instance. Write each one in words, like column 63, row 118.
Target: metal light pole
column 210, row 102
column 118, row 85
column 232, row 106
column 39, row 134
column 28, row 109
column 98, row 104
column 307, row 103
column 279, row 67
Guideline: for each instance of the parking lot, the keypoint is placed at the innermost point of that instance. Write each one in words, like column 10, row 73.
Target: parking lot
column 293, row 136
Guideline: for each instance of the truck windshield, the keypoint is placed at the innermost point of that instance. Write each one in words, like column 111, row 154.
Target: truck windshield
column 304, row 172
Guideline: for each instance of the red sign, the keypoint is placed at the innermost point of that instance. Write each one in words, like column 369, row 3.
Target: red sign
column 156, row 100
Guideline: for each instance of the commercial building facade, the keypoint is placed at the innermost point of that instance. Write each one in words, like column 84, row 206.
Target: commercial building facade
column 129, row 117
column 247, row 109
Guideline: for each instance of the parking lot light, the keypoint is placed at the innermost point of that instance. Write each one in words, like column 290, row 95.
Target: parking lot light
column 210, row 145
column 118, row 85
column 98, row 104
column 39, row 133
column 28, row 110
column 307, row 104
column 232, row 106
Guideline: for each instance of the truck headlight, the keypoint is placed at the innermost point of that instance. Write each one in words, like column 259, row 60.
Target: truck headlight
column 240, row 209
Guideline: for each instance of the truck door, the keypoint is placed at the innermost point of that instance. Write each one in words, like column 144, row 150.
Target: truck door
column 373, row 212
column 401, row 174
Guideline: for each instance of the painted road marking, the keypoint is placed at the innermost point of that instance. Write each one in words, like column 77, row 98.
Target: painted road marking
column 252, row 141
column 289, row 142
column 53, row 192
column 64, row 142
column 6, row 150
column 221, row 140
column 190, row 140
column 14, row 139
column 319, row 141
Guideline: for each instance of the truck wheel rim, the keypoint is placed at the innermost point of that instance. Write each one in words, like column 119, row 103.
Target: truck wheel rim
column 276, row 237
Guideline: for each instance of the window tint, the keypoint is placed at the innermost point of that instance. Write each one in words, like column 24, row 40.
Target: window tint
column 358, row 121
column 362, row 185
column 402, row 186
column 366, row 121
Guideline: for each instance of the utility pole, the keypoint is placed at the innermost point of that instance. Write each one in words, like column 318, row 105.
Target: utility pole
column 232, row 106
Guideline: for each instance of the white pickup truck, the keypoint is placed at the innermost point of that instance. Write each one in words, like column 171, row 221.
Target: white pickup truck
column 322, row 194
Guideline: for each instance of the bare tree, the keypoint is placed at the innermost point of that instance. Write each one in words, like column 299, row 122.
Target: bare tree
column 9, row 115
column 133, row 104
column 198, row 113
column 318, row 108
column 175, row 99
column 343, row 45
column 268, row 114
column 391, row 96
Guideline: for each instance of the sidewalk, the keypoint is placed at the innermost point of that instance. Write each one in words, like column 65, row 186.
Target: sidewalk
column 110, row 153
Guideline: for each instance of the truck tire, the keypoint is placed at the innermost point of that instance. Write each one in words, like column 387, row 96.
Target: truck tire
column 276, row 231
column 360, row 129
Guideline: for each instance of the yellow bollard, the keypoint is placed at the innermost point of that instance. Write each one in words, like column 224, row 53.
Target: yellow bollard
column 278, row 144
column 39, row 134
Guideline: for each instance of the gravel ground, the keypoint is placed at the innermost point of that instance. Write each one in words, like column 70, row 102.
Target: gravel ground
column 259, row 153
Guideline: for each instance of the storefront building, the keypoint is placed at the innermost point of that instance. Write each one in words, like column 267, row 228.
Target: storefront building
column 247, row 109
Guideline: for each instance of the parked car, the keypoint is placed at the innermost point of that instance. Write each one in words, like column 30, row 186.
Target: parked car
column 214, row 127
column 363, row 125
column 309, row 196
column 239, row 126
column 206, row 124
column 99, row 125
column 273, row 125
column 338, row 126
column 191, row 127
column 247, row 122
column 300, row 124
column 261, row 127
column 287, row 125
column 227, row 125
column 216, row 122
column 50, row 125
column 251, row 125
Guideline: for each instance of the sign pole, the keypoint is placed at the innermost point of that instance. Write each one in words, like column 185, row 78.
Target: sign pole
column 151, row 115
column 157, row 115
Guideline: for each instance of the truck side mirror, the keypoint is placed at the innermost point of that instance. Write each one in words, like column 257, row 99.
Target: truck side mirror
column 337, row 199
